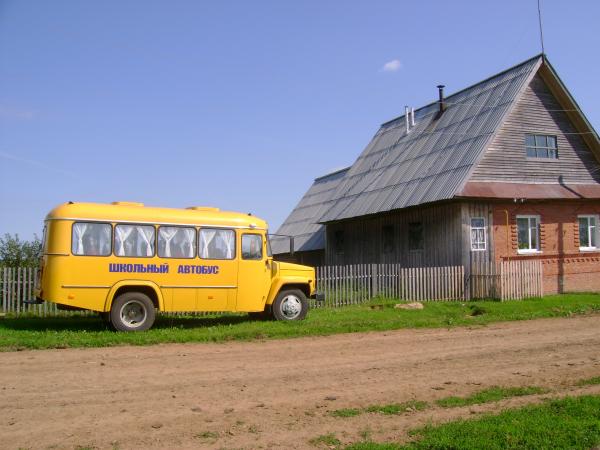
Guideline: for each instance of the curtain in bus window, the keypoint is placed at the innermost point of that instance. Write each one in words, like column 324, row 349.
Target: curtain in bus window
column 217, row 244
column 190, row 237
column 104, row 239
column 122, row 233
column 91, row 239
column 145, row 241
column 78, row 232
column 206, row 236
column 165, row 236
column 134, row 240
column 228, row 239
column 176, row 242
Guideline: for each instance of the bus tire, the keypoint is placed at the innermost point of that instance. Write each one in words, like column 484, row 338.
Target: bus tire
column 290, row 304
column 132, row 311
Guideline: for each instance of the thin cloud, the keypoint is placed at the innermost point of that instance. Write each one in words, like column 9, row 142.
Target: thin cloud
column 392, row 66
column 35, row 163
column 13, row 113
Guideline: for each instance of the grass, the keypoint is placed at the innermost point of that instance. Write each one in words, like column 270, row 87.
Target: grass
column 346, row 412
column 398, row 408
column 208, row 435
column 87, row 331
column 568, row 423
column 488, row 395
column 492, row 394
column 327, row 440
column 391, row 409
column 589, row 381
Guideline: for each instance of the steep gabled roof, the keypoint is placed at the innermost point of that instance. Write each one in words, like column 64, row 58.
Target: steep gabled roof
column 433, row 160
column 302, row 223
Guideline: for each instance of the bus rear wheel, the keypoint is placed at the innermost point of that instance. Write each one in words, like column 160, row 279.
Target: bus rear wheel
column 290, row 305
column 132, row 311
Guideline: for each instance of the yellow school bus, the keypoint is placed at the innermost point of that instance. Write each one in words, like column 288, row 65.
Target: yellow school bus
column 127, row 261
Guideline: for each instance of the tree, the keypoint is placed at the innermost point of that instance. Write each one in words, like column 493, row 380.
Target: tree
column 17, row 253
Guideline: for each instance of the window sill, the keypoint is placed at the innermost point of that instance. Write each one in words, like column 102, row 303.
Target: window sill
column 588, row 249
column 529, row 252
column 479, row 250
column 538, row 159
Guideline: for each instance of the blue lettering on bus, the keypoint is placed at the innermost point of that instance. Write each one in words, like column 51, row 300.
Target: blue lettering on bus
column 138, row 268
column 198, row 269
column 163, row 268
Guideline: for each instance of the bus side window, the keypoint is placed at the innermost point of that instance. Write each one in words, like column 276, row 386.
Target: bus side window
column 251, row 246
column 176, row 242
column 216, row 243
column 134, row 240
column 91, row 239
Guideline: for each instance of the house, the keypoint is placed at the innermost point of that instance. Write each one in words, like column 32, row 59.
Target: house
column 507, row 169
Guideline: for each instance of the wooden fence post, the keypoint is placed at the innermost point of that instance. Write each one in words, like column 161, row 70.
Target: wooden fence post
column 374, row 281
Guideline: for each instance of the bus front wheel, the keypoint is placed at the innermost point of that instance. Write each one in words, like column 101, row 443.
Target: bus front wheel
column 132, row 311
column 290, row 305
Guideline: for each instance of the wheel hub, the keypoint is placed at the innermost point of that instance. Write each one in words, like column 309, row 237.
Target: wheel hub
column 133, row 313
column 291, row 306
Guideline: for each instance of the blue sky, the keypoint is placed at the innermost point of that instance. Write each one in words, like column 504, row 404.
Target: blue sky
column 240, row 104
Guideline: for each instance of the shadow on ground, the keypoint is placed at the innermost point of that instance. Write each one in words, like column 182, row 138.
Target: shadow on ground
column 94, row 323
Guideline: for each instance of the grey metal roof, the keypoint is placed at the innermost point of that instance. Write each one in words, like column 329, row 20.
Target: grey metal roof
column 302, row 222
column 432, row 161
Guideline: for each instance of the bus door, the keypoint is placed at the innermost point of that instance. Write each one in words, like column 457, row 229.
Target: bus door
column 254, row 273
column 217, row 272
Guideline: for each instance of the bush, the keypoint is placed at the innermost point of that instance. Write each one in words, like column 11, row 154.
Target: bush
column 17, row 253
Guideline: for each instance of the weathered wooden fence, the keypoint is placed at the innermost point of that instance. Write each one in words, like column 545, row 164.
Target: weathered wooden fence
column 351, row 284
column 345, row 285
column 508, row 280
column 17, row 285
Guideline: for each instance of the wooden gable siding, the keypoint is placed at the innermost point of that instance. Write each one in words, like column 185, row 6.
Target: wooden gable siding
column 537, row 111
column 363, row 238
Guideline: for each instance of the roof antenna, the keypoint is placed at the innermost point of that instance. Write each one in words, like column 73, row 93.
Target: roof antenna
column 541, row 31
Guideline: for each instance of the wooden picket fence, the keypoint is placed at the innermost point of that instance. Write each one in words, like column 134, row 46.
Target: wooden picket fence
column 352, row 284
column 508, row 280
column 17, row 285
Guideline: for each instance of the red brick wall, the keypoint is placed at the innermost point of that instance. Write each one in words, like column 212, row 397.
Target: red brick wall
column 566, row 268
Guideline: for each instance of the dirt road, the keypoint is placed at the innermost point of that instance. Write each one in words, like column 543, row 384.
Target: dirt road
column 277, row 394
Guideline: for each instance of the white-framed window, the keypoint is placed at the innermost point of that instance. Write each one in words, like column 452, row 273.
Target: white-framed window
column 528, row 234
column 478, row 234
column 588, row 231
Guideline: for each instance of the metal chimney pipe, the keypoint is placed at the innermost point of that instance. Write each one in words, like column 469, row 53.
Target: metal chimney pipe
column 441, row 101
column 412, row 117
column 406, row 119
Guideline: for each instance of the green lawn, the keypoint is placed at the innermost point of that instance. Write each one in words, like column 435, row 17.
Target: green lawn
column 568, row 423
column 61, row 332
